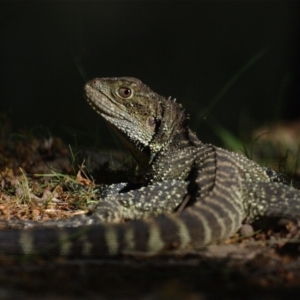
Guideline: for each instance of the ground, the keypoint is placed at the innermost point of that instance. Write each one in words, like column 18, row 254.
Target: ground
column 42, row 179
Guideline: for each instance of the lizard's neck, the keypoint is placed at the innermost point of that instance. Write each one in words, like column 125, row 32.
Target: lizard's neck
column 175, row 161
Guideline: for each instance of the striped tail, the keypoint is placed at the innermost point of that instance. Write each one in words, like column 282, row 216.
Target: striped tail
column 149, row 236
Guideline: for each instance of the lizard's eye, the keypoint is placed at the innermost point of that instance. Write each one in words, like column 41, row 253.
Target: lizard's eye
column 124, row 92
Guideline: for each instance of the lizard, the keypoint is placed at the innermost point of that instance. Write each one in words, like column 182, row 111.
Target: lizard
column 195, row 194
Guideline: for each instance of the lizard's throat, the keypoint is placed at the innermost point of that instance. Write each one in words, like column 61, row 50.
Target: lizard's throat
column 138, row 150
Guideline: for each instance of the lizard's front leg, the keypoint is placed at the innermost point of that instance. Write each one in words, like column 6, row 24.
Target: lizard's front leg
column 148, row 201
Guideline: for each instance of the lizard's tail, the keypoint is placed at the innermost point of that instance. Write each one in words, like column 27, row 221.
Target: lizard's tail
column 191, row 227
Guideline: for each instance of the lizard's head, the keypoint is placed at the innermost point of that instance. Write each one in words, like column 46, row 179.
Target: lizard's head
column 145, row 121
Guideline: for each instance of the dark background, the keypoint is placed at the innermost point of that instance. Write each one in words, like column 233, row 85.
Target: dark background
column 189, row 50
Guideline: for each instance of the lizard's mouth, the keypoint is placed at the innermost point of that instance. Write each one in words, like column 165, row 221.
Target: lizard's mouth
column 99, row 101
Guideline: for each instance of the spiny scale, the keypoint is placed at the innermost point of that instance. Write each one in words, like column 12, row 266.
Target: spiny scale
column 219, row 189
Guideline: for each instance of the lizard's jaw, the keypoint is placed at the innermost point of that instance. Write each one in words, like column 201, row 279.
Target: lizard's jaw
column 126, row 127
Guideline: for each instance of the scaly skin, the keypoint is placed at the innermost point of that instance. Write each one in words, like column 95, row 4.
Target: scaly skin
column 195, row 193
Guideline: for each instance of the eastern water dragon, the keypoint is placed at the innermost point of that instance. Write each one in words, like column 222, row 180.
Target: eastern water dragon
column 194, row 194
